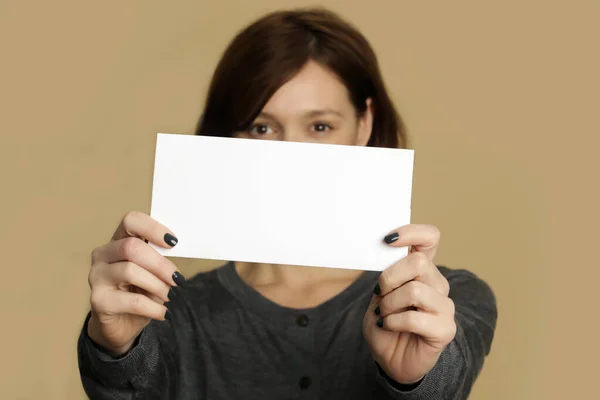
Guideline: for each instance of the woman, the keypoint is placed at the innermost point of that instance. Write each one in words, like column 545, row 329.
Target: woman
column 261, row 331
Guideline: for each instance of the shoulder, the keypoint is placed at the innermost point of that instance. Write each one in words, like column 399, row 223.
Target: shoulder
column 204, row 292
column 476, row 312
column 467, row 287
column 461, row 276
column 203, row 280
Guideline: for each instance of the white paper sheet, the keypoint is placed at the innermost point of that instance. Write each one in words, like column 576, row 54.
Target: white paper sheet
column 281, row 202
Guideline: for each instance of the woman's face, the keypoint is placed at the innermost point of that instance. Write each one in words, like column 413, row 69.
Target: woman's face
column 314, row 106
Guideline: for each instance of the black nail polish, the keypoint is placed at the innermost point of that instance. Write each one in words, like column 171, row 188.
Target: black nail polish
column 172, row 294
column 178, row 278
column 168, row 315
column 170, row 239
column 391, row 238
column 377, row 290
column 380, row 322
column 377, row 311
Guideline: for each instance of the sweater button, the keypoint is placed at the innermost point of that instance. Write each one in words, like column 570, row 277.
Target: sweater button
column 304, row 382
column 302, row 320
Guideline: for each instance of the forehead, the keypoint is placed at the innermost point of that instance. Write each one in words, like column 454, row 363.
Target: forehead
column 313, row 88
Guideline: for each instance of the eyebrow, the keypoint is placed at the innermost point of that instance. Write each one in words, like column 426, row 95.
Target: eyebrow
column 308, row 113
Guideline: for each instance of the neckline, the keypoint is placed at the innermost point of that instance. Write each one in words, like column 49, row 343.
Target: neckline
column 252, row 299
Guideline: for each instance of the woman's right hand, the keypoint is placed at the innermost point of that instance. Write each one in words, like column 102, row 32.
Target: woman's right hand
column 130, row 282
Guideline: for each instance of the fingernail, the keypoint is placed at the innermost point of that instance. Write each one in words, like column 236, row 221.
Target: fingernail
column 380, row 322
column 170, row 239
column 178, row 278
column 391, row 238
column 377, row 290
column 168, row 315
column 377, row 311
column 172, row 294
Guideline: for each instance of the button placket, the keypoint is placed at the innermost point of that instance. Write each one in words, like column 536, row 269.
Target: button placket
column 302, row 320
column 304, row 382
column 308, row 368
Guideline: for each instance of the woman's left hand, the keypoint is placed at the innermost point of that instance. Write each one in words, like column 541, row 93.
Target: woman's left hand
column 411, row 318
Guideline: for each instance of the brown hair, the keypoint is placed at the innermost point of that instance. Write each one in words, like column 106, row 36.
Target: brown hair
column 270, row 51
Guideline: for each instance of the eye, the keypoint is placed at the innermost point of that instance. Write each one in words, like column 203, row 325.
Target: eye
column 321, row 127
column 260, row 129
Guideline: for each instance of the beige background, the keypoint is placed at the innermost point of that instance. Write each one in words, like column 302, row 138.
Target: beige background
column 501, row 99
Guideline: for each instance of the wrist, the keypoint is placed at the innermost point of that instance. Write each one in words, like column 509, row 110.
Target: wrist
column 410, row 383
column 97, row 339
column 401, row 385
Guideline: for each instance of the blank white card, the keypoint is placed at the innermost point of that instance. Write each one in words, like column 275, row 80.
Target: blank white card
column 281, row 202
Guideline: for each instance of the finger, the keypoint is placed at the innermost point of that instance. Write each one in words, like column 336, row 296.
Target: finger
column 140, row 253
column 429, row 326
column 421, row 238
column 152, row 297
column 122, row 302
column 138, row 224
column 372, row 307
column 132, row 274
column 417, row 295
column 415, row 266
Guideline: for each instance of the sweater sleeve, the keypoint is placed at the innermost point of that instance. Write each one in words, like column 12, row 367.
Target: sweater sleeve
column 461, row 361
column 147, row 371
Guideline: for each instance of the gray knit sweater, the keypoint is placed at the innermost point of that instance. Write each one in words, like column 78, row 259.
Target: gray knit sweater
column 226, row 341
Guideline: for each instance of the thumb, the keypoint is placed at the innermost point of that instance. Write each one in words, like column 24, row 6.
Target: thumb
column 422, row 238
